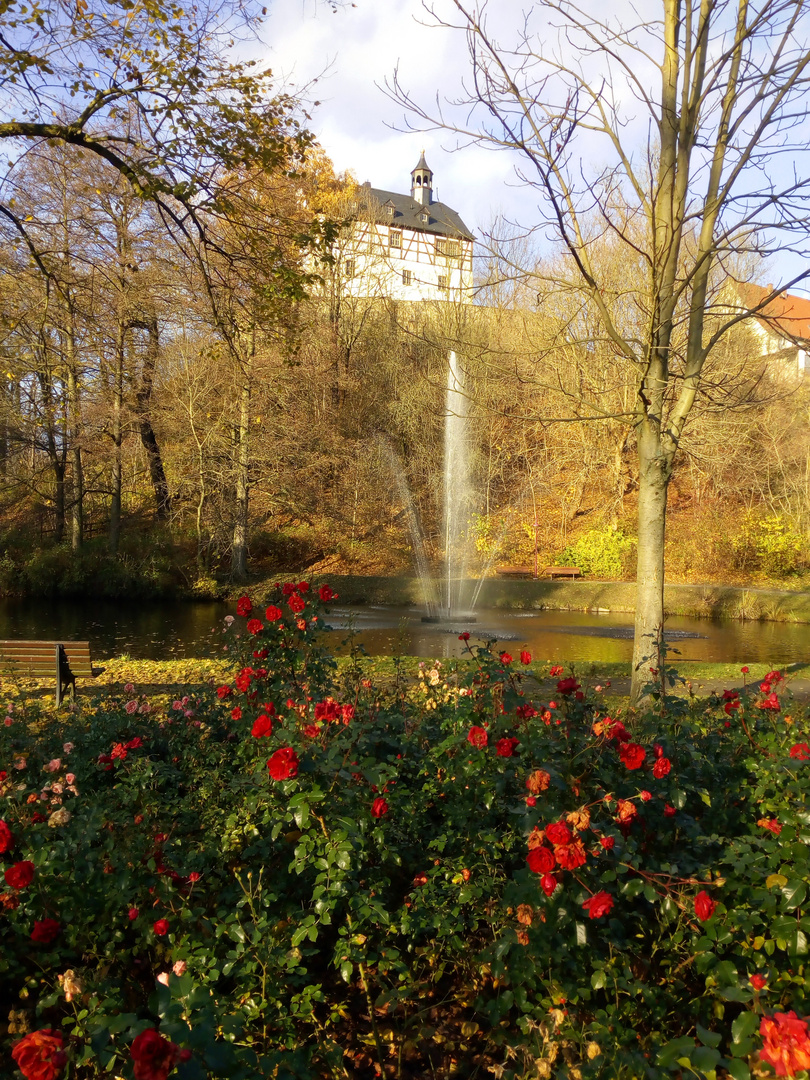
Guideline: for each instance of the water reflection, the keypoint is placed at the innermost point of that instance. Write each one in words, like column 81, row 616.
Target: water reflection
column 559, row 636
column 177, row 630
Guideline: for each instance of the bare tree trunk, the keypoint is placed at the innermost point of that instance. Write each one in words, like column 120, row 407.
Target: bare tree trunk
column 74, row 431
column 114, row 535
column 655, row 470
column 157, row 473
column 242, row 493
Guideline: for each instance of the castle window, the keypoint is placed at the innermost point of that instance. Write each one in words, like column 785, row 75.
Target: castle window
column 395, row 238
column 390, row 211
column 407, row 277
column 349, row 265
column 424, row 217
column 447, row 247
column 443, row 283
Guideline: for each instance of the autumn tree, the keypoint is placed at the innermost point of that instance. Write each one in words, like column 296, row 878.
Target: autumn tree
column 681, row 134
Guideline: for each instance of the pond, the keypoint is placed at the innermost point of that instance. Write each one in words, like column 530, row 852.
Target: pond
column 176, row 630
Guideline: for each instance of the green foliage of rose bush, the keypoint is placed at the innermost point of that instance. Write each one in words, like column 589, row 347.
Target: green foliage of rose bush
column 300, row 875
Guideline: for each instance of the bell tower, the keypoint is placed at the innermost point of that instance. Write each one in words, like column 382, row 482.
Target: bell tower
column 422, row 182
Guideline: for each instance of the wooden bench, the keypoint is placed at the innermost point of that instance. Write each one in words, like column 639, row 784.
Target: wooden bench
column 62, row 661
column 561, row 571
column 514, row 571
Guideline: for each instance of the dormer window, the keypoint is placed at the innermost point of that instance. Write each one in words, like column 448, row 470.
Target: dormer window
column 389, row 210
column 424, row 217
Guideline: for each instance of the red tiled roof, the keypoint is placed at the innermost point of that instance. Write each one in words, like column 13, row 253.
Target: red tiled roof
column 784, row 314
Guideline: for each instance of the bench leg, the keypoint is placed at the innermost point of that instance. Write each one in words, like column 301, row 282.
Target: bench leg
column 58, row 676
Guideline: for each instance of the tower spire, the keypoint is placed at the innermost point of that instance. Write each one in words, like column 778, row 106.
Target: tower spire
column 422, row 182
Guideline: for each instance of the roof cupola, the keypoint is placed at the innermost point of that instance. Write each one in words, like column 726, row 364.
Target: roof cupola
column 422, row 182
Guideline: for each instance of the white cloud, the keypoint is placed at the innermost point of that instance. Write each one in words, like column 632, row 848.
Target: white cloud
column 351, row 54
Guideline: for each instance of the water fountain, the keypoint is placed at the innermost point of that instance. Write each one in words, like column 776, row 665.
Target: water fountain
column 448, row 598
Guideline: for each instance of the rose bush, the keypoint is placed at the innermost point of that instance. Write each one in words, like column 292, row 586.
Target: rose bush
column 301, row 873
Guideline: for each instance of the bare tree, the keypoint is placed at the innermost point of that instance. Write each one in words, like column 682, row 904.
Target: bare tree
column 695, row 117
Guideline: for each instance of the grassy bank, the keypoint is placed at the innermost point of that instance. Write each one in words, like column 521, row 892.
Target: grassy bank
column 697, row 601
column 173, row 678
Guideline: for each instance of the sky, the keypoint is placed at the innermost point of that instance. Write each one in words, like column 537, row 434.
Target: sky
column 351, row 53
column 345, row 57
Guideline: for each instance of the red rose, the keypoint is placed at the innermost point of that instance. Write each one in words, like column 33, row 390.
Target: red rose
column 786, row 1045
column 132, row 914
column 548, row 883
column 6, row 838
column 525, row 657
column 46, row 931
column 633, row 755
column 506, row 658
column 297, row 603
column 506, row 747
column 669, row 811
column 555, row 671
column 774, row 677
column 236, row 712
column 326, row 594
column 661, row 768
column 274, row 614
column 262, row 725
column 770, row 702
column 161, row 927
column 771, row 824
column 255, row 626
column 607, row 842
column 283, row 765
column 39, row 1055
column 244, row 606
column 540, row 860
column 704, row 906
column 598, row 905
column 801, row 751
column 154, row 1057
column 568, row 686
column 759, row 982
column 222, row 692
column 645, row 796
column 20, row 875
column 558, row 833
column 379, row 808
column 477, row 736
column 328, row 710
column 525, row 712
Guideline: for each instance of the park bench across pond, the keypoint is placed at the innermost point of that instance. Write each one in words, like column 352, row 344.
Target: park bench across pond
column 62, row 661
column 547, row 571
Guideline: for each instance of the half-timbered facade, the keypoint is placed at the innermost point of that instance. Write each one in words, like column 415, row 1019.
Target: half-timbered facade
column 406, row 247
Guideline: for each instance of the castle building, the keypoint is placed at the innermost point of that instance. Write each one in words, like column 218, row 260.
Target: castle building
column 406, row 247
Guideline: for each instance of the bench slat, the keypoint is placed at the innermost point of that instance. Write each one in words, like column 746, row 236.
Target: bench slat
column 37, row 659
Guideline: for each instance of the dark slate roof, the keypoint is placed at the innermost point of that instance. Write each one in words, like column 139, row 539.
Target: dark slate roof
column 441, row 219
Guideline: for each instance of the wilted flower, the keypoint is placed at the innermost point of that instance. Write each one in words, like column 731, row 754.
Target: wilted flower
column 71, row 985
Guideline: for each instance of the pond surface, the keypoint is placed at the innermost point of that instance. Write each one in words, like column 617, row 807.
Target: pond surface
column 560, row 636
column 177, row 630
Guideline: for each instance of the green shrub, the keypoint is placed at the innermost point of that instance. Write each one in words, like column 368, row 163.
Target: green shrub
column 769, row 544
column 599, row 553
